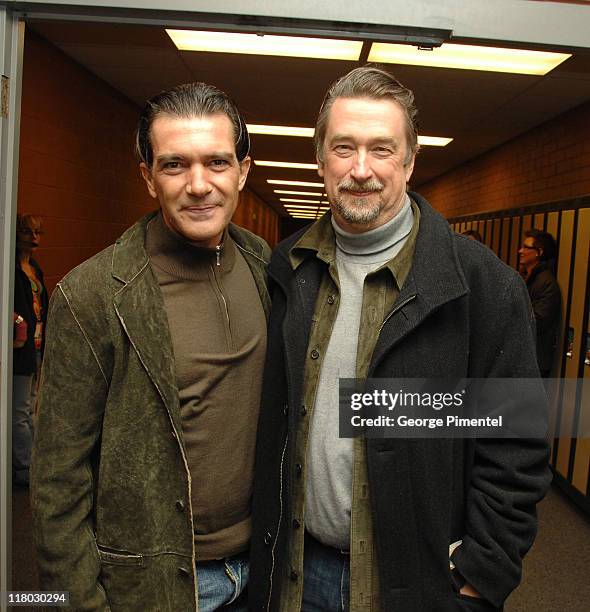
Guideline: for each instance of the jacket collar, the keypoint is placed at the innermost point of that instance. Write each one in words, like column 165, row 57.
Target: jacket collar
column 435, row 277
column 130, row 256
column 436, row 274
column 542, row 266
column 140, row 306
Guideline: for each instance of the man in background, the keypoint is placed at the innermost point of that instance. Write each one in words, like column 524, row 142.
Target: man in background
column 536, row 260
column 143, row 460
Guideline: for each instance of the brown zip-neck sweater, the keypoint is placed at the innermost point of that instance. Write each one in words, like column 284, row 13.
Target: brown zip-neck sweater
column 218, row 331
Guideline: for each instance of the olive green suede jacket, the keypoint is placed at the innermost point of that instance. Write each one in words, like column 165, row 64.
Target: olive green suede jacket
column 110, row 484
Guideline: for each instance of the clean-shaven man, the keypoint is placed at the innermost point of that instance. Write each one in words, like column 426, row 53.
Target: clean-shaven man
column 143, row 460
column 381, row 287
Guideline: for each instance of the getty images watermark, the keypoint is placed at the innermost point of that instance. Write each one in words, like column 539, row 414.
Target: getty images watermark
column 456, row 408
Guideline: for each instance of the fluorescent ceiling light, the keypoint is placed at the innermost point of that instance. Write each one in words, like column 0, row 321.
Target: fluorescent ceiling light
column 305, row 208
column 469, row 57
column 284, row 130
column 296, row 183
column 277, row 164
column 280, row 130
column 304, row 201
column 305, row 193
column 433, row 141
column 307, row 205
column 265, row 44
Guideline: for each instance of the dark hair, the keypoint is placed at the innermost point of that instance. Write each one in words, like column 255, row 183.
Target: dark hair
column 543, row 241
column 374, row 83
column 189, row 100
column 472, row 234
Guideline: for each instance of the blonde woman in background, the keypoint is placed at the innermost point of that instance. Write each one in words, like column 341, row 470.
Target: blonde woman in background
column 30, row 307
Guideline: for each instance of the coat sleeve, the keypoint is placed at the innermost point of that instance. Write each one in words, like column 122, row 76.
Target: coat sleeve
column 71, row 405
column 546, row 304
column 509, row 476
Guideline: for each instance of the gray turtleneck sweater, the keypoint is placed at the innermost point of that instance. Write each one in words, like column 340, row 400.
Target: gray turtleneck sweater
column 328, row 495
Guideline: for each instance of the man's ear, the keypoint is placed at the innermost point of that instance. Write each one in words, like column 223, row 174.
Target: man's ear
column 320, row 166
column 409, row 167
column 147, row 177
column 244, row 169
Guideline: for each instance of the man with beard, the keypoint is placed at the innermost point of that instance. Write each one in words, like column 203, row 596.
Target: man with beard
column 143, row 460
column 381, row 287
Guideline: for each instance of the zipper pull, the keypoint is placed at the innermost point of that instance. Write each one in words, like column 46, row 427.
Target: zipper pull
column 218, row 253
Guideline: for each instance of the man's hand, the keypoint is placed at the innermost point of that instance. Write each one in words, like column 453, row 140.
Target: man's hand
column 468, row 590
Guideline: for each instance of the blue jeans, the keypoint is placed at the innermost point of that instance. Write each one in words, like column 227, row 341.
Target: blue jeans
column 222, row 584
column 24, row 394
column 24, row 398
column 326, row 578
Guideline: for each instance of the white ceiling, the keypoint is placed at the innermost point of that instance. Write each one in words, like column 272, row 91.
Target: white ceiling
column 480, row 110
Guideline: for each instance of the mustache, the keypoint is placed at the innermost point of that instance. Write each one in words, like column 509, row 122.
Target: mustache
column 372, row 185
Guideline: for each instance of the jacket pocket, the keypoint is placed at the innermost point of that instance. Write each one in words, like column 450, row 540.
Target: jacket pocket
column 118, row 557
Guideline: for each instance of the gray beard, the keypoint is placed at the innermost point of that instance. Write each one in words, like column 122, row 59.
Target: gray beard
column 361, row 212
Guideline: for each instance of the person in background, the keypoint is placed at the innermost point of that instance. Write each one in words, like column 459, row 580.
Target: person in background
column 536, row 259
column 30, row 315
column 473, row 235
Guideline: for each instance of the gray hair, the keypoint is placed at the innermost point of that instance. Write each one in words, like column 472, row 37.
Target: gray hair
column 189, row 100
column 373, row 83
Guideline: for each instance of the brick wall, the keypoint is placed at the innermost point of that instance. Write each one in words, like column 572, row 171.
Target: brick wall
column 253, row 214
column 548, row 163
column 77, row 168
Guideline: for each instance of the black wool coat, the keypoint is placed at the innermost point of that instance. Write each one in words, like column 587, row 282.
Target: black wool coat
column 546, row 300
column 461, row 313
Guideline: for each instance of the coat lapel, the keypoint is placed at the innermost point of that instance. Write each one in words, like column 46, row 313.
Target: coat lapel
column 140, row 307
column 300, row 289
column 436, row 278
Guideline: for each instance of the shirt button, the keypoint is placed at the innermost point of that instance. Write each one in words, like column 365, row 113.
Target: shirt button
column 296, row 524
column 294, row 576
column 267, row 538
column 180, row 505
column 315, row 354
column 298, row 469
column 286, row 409
column 331, row 299
column 174, row 434
column 303, row 410
column 184, row 570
